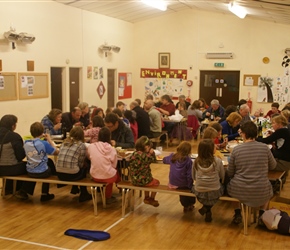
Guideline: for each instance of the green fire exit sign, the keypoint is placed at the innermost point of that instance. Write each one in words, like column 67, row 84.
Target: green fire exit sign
column 219, row 65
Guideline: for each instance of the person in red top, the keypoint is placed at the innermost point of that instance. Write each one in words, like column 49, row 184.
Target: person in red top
column 167, row 107
column 274, row 110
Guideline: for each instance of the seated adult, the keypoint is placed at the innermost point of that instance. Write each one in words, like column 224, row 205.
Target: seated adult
column 203, row 105
column 281, row 140
column 274, row 110
column 99, row 112
column 167, row 108
column 181, row 99
column 194, row 109
column 244, row 111
column 11, row 156
column 128, row 114
column 229, row 124
column 142, row 119
column 52, row 122
column 122, row 135
column 228, row 110
column 85, row 116
column 121, row 105
column 215, row 109
column 155, row 119
column 248, row 172
column 70, row 119
column 120, row 115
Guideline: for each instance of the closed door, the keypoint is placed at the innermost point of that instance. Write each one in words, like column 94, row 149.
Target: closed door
column 74, row 87
column 221, row 85
column 56, row 87
column 111, row 87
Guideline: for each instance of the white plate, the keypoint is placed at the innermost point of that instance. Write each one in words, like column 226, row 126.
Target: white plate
column 193, row 156
column 270, row 146
column 56, row 136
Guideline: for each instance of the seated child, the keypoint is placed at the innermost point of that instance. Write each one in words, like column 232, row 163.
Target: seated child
column 140, row 170
column 38, row 165
column 98, row 123
column 180, row 175
column 70, row 164
column 104, row 162
column 219, row 141
column 207, row 171
column 211, row 133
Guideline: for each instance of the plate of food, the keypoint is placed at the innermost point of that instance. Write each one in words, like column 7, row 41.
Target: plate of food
column 159, row 158
column 224, row 151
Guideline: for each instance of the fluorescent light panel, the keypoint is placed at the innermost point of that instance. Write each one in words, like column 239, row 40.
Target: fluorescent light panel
column 158, row 4
column 237, row 10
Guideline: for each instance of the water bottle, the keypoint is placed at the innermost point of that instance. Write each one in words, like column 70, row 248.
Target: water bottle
column 63, row 130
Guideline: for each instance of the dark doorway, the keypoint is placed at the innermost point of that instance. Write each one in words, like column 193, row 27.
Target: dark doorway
column 111, row 87
column 56, row 87
column 74, row 87
column 221, row 85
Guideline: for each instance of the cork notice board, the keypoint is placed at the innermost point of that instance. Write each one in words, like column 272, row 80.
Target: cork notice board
column 32, row 85
column 8, row 86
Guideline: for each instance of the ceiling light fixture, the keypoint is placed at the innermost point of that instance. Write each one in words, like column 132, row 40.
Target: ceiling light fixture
column 158, row 4
column 237, row 10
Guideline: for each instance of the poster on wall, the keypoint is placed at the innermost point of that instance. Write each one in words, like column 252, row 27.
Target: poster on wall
column 274, row 89
column 89, row 72
column 96, row 73
column 124, row 85
column 162, row 86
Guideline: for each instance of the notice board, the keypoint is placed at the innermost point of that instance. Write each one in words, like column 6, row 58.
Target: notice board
column 32, row 85
column 8, row 86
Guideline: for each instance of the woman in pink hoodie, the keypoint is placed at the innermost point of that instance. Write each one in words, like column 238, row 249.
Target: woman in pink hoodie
column 104, row 162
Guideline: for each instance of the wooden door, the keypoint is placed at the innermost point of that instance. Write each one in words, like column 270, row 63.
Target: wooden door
column 221, row 85
column 111, row 87
column 56, row 87
column 74, row 87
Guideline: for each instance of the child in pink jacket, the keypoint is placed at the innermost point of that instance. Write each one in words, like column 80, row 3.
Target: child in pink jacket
column 104, row 162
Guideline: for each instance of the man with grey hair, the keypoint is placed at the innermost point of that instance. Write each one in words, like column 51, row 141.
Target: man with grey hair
column 215, row 109
column 244, row 111
column 142, row 119
column 181, row 99
column 85, row 116
column 155, row 118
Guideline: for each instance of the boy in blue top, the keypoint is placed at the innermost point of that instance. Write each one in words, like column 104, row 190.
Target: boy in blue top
column 38, row 165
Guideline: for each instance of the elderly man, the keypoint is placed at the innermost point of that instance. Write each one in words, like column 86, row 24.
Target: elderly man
column 142, row 119
column 70, row 119
column 155, row 118
column 215, row 110
column 181, row 99
column 121, row 135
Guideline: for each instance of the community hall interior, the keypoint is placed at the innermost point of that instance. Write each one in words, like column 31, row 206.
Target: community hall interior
column 68, row 41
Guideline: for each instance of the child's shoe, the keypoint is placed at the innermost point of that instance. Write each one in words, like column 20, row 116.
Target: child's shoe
column 154, row 203
column 202, row 211
column 188, row 208
column 237, row 217
column 208, row 216
column 147, row 200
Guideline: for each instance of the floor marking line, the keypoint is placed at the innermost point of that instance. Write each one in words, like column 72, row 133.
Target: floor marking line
column 32, row 243
column 110, row 227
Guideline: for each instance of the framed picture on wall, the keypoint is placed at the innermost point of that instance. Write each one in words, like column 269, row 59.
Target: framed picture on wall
column 164, row 60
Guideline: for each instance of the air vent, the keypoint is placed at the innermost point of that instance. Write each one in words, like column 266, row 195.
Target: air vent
column 219, row 55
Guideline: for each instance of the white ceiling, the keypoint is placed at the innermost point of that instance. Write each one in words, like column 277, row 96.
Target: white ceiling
column 133, row 11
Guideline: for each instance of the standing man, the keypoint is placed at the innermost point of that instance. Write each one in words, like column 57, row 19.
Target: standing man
column 155, row 119
column 142, row 119
column 70, row 119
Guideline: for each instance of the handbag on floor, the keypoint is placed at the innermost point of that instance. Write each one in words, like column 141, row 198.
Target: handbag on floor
column 92, row 235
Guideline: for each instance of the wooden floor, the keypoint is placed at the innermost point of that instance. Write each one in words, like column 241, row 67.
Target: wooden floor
column 35, row 225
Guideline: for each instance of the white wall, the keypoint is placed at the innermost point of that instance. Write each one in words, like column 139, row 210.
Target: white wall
column 61, row 33
column 64, row 32
column 188, row 35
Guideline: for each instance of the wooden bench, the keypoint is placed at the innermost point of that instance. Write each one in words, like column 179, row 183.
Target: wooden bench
column 157, row 139
column 128, row 189
column 54, row 179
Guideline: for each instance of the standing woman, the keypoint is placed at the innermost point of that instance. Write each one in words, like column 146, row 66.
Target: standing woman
column 248, row 169
column 11, row 153
column 70, row 164
column 52, row 122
